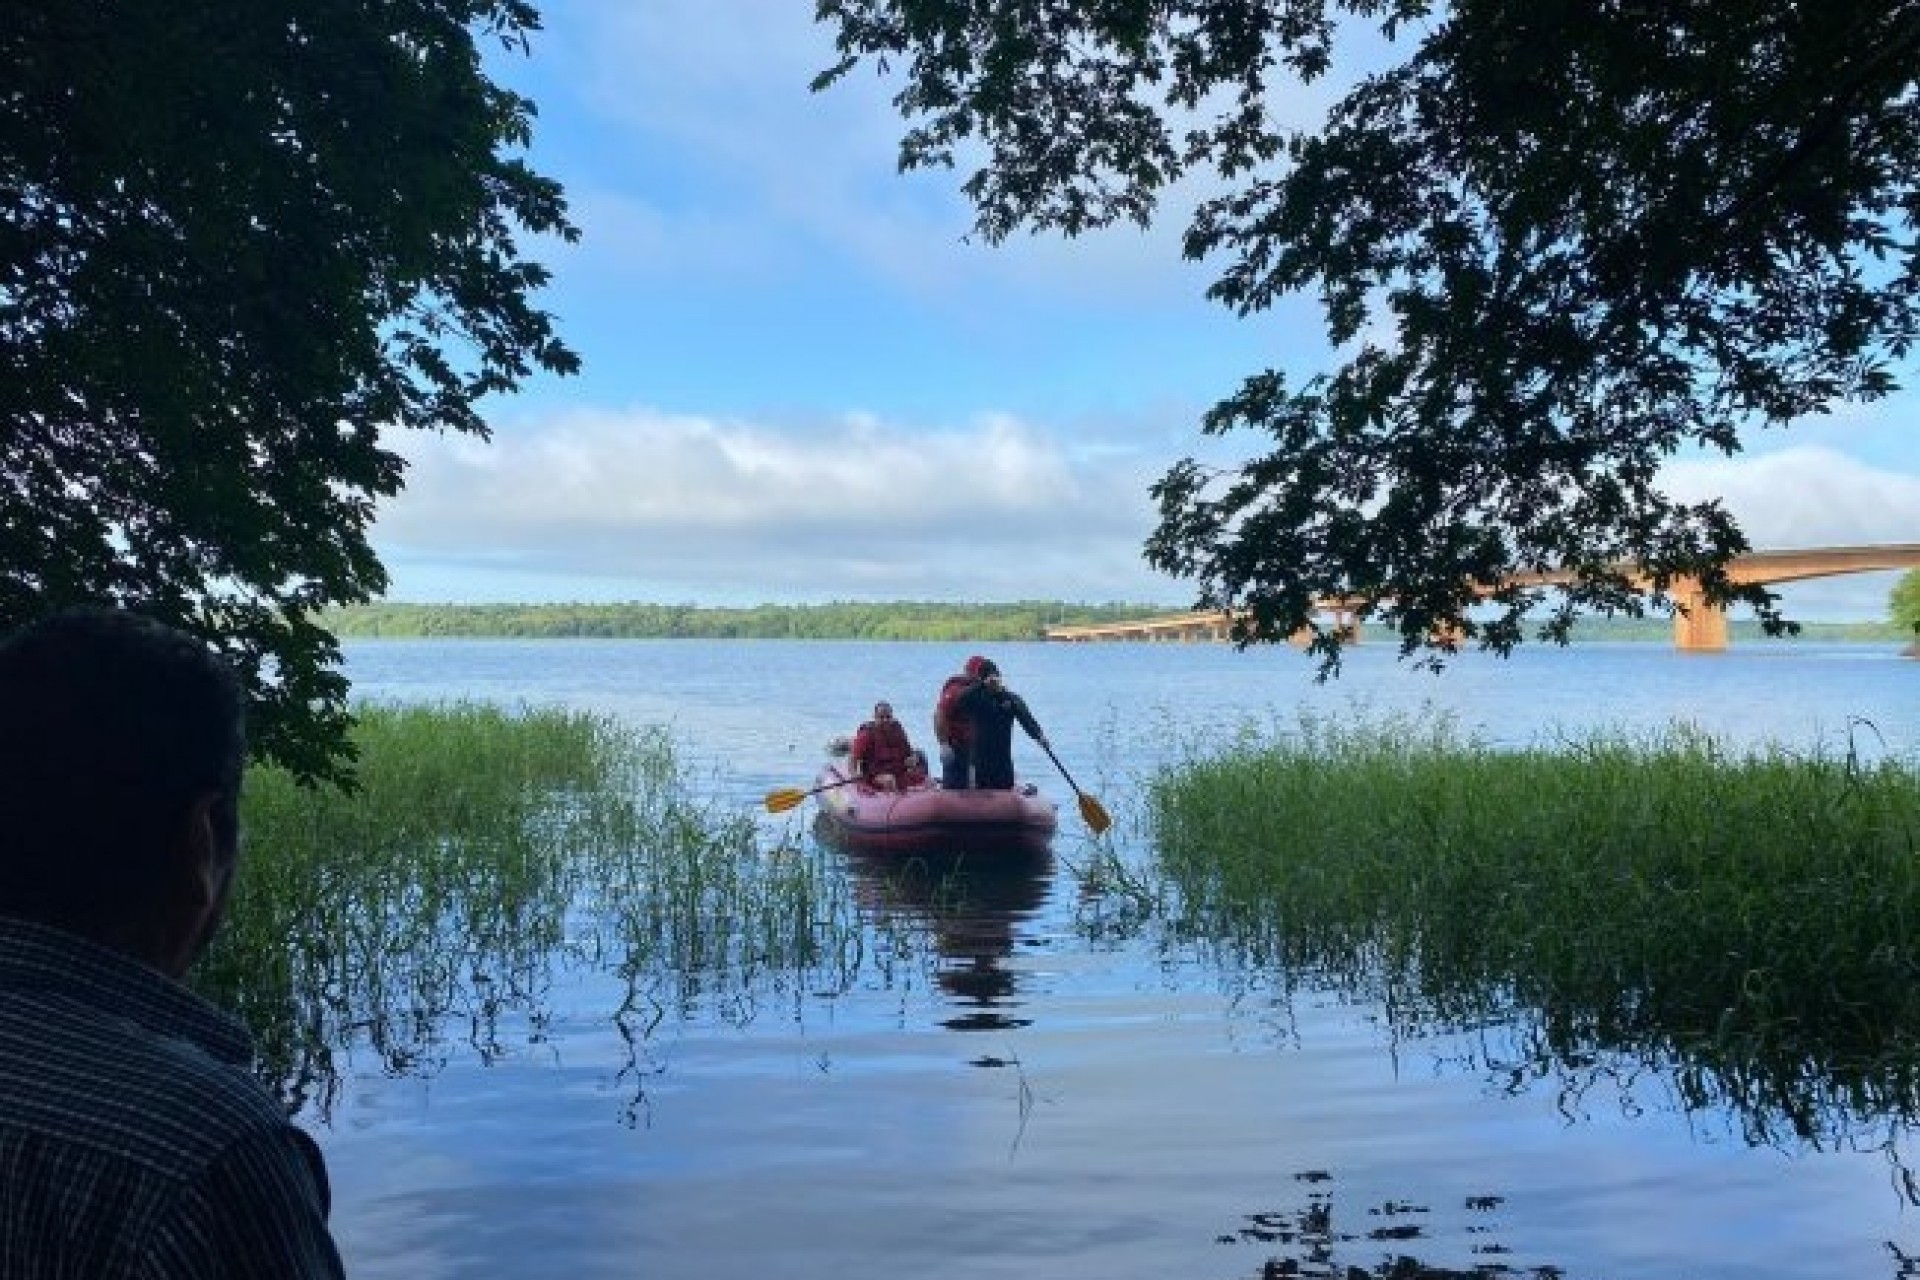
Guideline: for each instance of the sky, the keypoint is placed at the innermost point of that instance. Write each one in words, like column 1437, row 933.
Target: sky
column 804, row 380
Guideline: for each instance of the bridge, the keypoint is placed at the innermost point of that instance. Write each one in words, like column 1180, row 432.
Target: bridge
column 1698, row 627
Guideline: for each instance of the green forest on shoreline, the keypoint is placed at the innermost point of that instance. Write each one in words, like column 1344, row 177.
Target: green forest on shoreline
column 897, row 620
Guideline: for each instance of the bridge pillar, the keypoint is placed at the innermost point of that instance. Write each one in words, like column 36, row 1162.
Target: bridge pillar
column 1698, row 627
column 1343, row 624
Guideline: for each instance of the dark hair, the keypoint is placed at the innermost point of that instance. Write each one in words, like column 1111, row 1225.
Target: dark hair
column 111, row 727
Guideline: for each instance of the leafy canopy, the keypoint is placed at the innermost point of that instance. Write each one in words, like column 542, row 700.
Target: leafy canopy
column 1553, row 245
column 1904, row 603
column 241, row 241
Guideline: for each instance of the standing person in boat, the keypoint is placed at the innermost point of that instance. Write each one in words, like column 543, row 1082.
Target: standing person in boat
column 953, row 727
column 883, row 756
column 992, row 710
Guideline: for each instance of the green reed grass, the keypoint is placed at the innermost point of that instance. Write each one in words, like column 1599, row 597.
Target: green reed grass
column 1738, row 908
column 485, row 849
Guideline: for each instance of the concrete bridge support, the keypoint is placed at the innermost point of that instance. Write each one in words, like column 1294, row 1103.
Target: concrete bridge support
column 1698, row 627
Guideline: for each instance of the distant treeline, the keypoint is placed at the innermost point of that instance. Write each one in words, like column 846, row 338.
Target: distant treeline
column 900, row 620
column 904, row 620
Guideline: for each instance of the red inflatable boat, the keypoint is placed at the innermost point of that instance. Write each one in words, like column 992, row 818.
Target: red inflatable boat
column 929, row 819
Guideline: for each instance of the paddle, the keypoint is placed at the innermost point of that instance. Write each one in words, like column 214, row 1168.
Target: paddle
column 788, row 797
column 1091, row 809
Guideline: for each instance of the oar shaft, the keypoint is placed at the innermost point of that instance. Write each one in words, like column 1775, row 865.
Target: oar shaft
column 1062, row 768
column 1091, row 809
column 789, row 797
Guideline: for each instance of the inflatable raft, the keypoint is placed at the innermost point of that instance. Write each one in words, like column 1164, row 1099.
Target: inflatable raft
column 929, row 819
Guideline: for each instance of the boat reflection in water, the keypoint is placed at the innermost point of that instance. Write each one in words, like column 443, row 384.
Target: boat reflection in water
column 970, row 906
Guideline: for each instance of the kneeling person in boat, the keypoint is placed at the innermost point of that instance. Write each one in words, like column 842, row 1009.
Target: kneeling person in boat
column 882, row 757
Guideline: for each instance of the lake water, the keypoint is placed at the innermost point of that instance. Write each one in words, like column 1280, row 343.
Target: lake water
column 1054, row 1100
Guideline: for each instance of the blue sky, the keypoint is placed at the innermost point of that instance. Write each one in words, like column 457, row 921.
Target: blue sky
column 804, row 382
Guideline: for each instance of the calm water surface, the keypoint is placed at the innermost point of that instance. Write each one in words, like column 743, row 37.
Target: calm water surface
column 1049, row 1099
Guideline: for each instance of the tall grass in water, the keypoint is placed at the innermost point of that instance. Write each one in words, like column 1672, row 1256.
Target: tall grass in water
column 485, row 848
column 1747, row 919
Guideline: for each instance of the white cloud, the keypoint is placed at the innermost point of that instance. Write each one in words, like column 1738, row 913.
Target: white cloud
column 645, row 505
column 1812, row 496
column 1805, row 497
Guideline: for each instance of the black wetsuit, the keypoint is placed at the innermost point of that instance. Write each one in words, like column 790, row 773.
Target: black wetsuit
column 993, row 713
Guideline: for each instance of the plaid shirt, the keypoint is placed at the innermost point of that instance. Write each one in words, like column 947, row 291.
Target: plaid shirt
column 134, row 1141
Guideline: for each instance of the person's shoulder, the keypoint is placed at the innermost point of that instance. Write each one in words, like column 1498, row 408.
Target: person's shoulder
column 92, row 1079
column 229, row 1087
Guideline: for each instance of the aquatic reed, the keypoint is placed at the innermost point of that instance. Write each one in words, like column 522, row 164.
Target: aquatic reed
column 488, row 853
column 1751, row 912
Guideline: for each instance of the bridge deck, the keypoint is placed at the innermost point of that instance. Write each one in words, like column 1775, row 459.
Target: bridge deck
column 1697, row 625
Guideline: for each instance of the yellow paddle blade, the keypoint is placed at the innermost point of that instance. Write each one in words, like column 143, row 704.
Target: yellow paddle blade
column 1095, row 813
column 784, row 799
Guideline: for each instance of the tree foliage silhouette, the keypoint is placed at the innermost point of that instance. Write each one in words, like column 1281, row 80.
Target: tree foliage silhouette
column 242, row 243
column 1554, row 244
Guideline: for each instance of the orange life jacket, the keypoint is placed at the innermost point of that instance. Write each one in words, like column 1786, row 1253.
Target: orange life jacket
column 882, row 747
column 949, row 729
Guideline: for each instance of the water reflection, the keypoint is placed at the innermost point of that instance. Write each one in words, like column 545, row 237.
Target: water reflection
column 637, row 933
column 1847, row 1084
column 970, row 907
column 407, row 977
column 1319, row 1238
column 637, row 937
